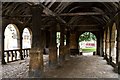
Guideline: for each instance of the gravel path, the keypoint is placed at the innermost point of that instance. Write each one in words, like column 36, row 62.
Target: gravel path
column 75, row 67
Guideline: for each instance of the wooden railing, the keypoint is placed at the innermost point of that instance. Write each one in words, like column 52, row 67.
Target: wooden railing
column 14, row 55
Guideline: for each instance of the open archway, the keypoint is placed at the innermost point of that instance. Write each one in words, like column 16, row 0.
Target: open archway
column 87, row 43
column 26, row 41
column 11, row 37
column 11, row 43
column 27, row 38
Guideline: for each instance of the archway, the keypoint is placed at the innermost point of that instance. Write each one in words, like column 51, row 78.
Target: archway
column 87, row 43
column 11, row 42
column 26, row 41
column 58, row 34
column 27, row 38
column 58, row 42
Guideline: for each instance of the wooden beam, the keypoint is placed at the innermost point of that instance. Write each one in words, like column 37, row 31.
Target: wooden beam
column 81, row 14
column 64, row 14
column 49, row 12
column 88, row 29
column 91, row 25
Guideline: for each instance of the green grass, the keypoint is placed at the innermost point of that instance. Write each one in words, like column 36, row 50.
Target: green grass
column 89, row 49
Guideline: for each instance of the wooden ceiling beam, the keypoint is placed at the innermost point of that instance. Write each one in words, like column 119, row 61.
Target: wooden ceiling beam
column 81, row 14
column 89, row 25
column 63, row 14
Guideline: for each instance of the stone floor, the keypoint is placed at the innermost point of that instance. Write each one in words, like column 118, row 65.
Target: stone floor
column 85, row 66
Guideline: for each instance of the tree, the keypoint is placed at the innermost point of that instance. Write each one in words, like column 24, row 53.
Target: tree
column 87, row 36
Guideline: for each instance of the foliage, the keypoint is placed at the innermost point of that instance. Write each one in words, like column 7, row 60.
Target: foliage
column 87, row 36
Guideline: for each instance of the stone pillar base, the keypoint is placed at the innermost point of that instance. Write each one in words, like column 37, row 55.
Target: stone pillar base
column 61, row 58
column 61, row 55
column 105, row 56
column 67, row 53
column 81, row 53
column 36, row 63
column 3, row 62
column 110, row 60
column 53, row 58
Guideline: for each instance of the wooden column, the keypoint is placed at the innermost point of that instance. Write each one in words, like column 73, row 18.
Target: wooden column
column 53, row 49
column 61, row 55
column 36, row 52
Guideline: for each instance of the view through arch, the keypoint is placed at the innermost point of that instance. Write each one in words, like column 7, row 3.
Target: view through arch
column 87, row 43
column 27, row 38
column 12, row 38
column 58, row 34
column 11, row 42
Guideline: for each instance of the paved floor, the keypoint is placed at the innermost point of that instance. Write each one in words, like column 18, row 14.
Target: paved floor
column 76, row 67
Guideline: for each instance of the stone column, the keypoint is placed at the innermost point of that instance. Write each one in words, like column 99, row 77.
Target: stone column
column 118, row 50
column 66, row 49
column 47, row 38
column 110, row 57
column 61, row 55
column 107, row 46
column 112, row 42
column 104, row 44
column 99, row 44
column 73, row 43
column 21, row 53
column 36, row 52
column 53, row 49
column 2, row 39
column 105, row 54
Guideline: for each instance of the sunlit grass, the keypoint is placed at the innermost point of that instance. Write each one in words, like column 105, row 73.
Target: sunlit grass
column 92, row 49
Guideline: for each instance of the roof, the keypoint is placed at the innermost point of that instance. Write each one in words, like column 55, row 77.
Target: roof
column 71, row 14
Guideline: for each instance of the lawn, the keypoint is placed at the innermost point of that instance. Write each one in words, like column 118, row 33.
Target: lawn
column 92, row 49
